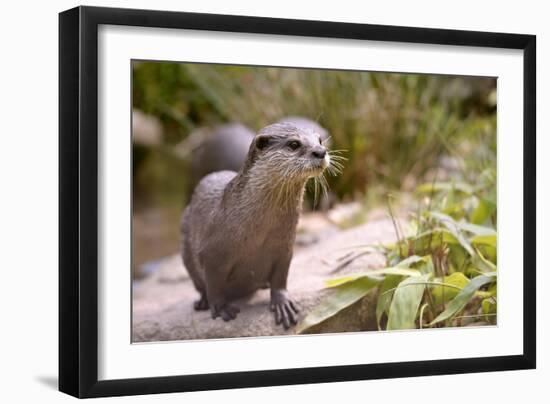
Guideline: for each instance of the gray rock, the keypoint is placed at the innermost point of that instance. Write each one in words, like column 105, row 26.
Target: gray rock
column 163, row 303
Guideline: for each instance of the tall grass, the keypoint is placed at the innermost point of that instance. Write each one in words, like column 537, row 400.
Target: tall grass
column 394, row 127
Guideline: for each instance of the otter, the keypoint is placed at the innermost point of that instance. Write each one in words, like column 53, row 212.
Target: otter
column 308, row 124
column 239, row 228
column 225, row 147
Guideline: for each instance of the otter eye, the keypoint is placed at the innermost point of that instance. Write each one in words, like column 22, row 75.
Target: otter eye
column 294, row 144
column 320, row 141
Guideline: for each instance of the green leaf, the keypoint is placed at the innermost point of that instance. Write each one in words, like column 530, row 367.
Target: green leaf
column 424, row 243
column 412, row 261
column 490, row 240
column 385, row 297
column 331, row 283
column 464, row 296
column 458, row 259
column 477, row 259
column 430, row 188
column 443, row 294
column 405, row 303
column 483, row 211
column 451, row 225
column 427, row 266
column 341, row 297
column 488, row 252
column 487, row 266
column 476, row 229
column 486, row 246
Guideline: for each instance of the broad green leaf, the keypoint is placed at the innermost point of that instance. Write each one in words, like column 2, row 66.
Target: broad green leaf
column 331, row 283
column 442, row 293
column 385, row 297
column 490, row 240
column 405, row 303
column 488, row 252
column 464, row 297
column 483, row 211
column 340, row 298
column 486, row 246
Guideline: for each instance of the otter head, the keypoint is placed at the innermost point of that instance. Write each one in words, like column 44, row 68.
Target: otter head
column 285, row 150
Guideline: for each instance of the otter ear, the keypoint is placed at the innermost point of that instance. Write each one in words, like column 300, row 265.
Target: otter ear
column 262, row 141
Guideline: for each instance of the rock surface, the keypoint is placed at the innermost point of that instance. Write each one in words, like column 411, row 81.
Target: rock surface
column 163, row 302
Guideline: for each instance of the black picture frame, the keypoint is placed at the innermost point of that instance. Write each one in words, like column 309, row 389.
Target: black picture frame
column 78, row 200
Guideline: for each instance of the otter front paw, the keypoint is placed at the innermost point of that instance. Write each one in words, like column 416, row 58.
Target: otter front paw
column 284, row 308
column 225, row 311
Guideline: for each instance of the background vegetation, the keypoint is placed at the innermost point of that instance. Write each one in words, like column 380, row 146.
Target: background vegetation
column 427, row 140
column 395, row 127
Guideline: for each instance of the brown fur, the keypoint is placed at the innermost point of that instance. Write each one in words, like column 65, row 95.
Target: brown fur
column 238, row 230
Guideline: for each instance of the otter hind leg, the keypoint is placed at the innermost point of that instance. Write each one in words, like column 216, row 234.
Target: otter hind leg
column 202, row 303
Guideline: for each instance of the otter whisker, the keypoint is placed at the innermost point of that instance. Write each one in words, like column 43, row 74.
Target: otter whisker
column 335, row 166
column 324, row 184
column 335, row 151
column 337, row 157
column 337, row 160
column 334, row 172
column 316, row 192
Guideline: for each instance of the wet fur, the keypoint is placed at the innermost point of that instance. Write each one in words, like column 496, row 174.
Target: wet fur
column 238, row 230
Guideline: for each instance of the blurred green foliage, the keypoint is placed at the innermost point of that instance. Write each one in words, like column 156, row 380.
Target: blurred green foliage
column 395, row 128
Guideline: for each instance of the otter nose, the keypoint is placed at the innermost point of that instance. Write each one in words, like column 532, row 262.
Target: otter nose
column 319, row 153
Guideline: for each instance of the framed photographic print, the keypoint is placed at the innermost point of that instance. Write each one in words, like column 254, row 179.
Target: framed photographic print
column 251, row 201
